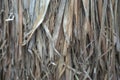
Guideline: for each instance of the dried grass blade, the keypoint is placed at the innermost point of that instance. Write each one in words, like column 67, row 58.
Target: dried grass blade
column 100, row 10
column 67, row 26
column 51, row 43
column 58, row 21
column 104, row 9
column 40, row 43
column 20, row 22
column 20, row 30
column 39, row 19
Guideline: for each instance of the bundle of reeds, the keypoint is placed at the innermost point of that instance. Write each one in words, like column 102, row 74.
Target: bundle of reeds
column 59, row 40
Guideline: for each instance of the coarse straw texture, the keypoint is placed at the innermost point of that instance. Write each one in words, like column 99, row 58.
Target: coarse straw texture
column 59, row 40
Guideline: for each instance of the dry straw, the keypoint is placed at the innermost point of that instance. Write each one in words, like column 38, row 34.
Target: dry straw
column 59, row 40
